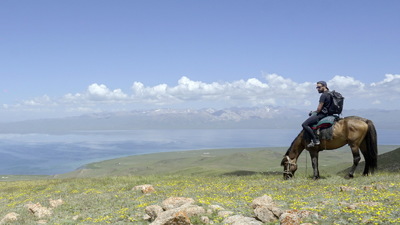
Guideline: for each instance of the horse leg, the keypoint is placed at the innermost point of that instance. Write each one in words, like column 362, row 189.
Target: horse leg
column 364, row 150
column 356, row 159
column 314, row 160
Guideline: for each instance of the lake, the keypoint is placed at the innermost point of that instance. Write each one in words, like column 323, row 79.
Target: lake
column 46, row 154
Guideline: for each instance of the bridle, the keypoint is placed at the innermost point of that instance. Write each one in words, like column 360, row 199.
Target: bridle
column 287, row 169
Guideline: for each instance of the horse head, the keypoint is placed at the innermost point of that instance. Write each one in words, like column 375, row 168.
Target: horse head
column 289, row 164
column 289, row 167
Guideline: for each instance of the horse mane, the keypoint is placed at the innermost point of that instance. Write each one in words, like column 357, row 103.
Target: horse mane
column 291, row 145
column 290, row 148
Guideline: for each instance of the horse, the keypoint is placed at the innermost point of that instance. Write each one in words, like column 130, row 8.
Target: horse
column 359, row 133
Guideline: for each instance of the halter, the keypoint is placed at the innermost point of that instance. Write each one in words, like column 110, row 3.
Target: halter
column 290, row 163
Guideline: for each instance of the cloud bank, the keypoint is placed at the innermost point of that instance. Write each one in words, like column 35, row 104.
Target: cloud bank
column 272, row 90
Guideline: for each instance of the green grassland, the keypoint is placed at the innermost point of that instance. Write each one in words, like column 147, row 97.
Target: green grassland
column 101, row 193
column 216, row 162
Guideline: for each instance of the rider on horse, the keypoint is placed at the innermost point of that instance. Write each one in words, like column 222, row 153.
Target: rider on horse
column 321, row 112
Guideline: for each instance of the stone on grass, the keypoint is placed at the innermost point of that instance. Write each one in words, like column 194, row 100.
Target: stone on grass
column 55, row 203
column 263, row 200
column 180, row 215
column 145, row 188
column 265, row 209
column 267, row 214
column 241, row 220
column 38, row 210
column 10, row 217
column 175, row 202
column 153, row 211
column 289, row 219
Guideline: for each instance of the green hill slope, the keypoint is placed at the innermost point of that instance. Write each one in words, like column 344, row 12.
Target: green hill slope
column 205, row 162
column 216, row 162
column 387, row 162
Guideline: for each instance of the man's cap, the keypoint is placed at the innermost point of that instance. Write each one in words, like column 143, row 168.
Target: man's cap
column 323, row 83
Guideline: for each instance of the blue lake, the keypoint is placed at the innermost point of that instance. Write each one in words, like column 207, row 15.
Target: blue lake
column 45, row 154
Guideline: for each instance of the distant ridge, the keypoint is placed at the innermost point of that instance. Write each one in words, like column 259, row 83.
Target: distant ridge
column 232, row 118
column 265, row 117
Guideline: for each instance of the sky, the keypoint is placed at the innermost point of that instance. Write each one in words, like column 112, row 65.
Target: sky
column 66, row 58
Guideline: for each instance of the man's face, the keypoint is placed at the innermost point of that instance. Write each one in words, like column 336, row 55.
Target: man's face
column 320, row 88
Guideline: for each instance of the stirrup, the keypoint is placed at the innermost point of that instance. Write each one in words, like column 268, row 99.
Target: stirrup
column 313, row 144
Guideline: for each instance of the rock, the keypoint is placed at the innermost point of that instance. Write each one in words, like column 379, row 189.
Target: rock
column 265, row 214
column 38, row 210
column 153, row 211
column 187, row 210
column 303, row 213
column 374, row 187
column 193, row 210
column 356, row 205
column 205, row 220
column 241, row 220
column 368, row 187
column 265, row 209
column 10, row 217
column 264, row 200
column 146, row 217
column 347, row 188
column 145, row 188
column 175, row 202
column 75, row 217
column 177, row 218
column 55, row 203
column 289, row 219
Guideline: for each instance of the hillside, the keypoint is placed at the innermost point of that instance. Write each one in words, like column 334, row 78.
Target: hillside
column 196, row 162
column 223, row 162
column 387, row 162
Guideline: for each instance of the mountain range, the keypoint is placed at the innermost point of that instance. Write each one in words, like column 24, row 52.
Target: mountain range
column 207, row 118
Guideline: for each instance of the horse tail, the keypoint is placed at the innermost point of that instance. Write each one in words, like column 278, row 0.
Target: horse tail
column 371, row 141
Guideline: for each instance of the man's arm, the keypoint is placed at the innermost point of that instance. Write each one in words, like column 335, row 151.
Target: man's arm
column 320, row 106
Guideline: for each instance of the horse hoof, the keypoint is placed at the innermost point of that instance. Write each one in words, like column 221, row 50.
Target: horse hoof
column 349, row 176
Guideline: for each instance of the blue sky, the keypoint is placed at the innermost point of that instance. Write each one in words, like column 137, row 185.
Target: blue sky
column 61, row 58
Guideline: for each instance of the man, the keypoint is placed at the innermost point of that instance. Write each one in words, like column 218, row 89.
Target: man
column 322, row 111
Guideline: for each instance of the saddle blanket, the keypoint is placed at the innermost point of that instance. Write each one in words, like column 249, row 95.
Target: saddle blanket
column 325, row 122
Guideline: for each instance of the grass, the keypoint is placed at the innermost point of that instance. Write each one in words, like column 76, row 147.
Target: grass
column 215, row 162
column 229, row 178
column 110, row 200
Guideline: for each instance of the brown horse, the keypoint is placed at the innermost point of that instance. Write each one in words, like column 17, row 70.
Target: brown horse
column 357, row 132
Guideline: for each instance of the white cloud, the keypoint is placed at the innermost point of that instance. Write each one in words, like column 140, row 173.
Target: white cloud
column 39, row 101
column 342, row 82
column 101, row 92
column 389, row 80
column 274, row 90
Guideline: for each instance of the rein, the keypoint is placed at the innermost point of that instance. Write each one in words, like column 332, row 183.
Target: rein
column 290, row 163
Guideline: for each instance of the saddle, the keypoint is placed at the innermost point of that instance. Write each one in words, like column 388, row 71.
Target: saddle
column 324, row 128
column 325, row 122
